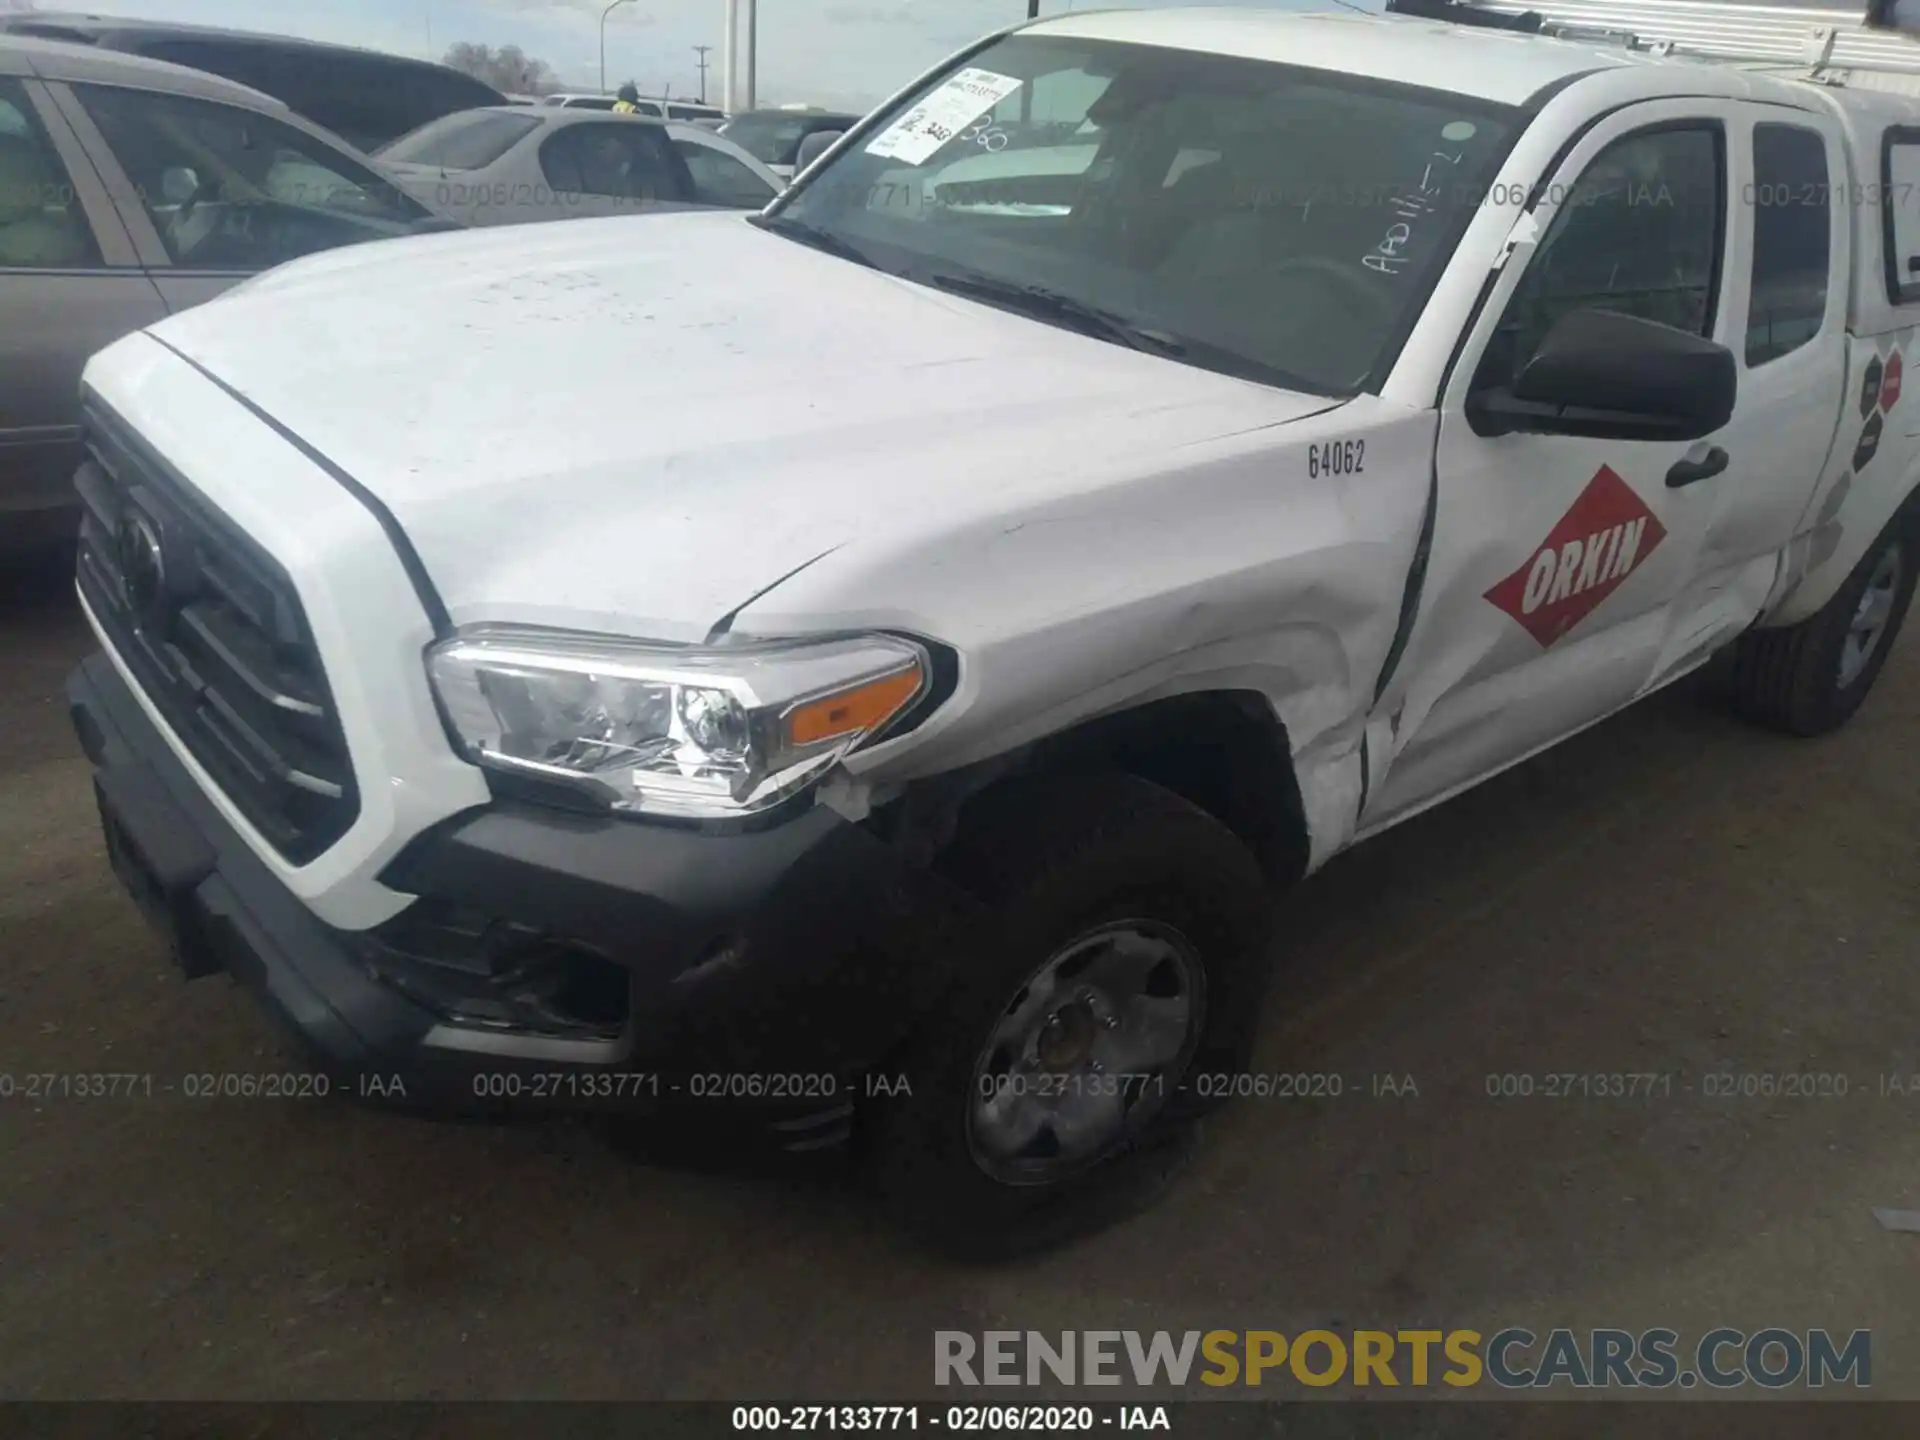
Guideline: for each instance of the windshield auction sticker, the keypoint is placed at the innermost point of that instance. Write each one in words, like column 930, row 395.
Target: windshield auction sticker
column 942, row 115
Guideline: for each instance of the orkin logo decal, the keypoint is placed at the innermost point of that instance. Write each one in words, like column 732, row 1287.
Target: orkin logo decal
column 1604, row 538
column 1870, row 387
column 1879, row 393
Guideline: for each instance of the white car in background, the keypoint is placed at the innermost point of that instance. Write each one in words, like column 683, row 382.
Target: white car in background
column 688, row 110
column 507, row 164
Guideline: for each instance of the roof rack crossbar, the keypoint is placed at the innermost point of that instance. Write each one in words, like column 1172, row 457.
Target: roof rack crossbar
column 1825, row 40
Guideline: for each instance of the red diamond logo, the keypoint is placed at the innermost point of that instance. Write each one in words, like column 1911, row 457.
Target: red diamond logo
column 1890, row 383
column 1604, row 538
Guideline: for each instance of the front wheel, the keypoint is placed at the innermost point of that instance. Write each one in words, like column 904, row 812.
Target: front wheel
column 1049, row 1091
column 1808, row 679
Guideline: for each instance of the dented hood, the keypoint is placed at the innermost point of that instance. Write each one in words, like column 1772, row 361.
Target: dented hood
column 639, row 424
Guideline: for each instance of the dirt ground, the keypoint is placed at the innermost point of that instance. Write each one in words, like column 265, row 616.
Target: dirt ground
column 1669, row 893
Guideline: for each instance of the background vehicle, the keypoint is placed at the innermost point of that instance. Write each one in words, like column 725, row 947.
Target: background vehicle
column 365, row 97
column 774, row 137
column 1392, row 401
column 579, row 101
column 693, row 112
column 651, row 106
column 507, row 165
column 131, row 189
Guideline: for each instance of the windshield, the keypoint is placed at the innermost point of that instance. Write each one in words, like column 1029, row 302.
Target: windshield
column 471, row 140
column 1280, row 223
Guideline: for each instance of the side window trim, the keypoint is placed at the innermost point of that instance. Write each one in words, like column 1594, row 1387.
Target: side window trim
column 1900, row 289
column 149, row 250
column 104, row 218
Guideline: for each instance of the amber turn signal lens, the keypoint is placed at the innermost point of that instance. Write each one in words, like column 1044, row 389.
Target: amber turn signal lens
column 865, row 708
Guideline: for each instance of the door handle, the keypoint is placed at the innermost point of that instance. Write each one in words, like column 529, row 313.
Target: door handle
column 1691, row 472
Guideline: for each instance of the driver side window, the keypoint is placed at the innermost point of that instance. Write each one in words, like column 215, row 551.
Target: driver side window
column 208, row 174
column 1640, row 233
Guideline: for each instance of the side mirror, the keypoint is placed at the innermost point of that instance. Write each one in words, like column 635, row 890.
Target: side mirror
column 813, row 147
column 178, row 184
column 1614, row 377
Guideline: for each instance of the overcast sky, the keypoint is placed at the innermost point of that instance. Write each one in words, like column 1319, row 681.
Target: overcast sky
column 832, row 52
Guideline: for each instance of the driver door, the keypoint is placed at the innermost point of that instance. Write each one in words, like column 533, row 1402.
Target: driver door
column 1557, row 562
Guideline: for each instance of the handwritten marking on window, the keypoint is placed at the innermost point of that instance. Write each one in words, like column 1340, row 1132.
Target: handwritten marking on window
column 1412, row 204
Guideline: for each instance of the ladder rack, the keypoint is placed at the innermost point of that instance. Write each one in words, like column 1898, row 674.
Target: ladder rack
column 1851, row 45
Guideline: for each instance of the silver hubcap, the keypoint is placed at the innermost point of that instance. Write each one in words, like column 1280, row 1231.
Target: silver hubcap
column 1870, row 617
column 1085, row 1052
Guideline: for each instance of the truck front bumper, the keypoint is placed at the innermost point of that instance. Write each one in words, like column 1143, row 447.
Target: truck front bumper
column 552, row 959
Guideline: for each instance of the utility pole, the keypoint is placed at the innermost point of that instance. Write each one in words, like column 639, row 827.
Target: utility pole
column 753, row 52
column 702, row 50
column 1026, row 91
column 729, row 55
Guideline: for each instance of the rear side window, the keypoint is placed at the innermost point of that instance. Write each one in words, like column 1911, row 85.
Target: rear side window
column 1791, row 230
column 617, row 159
column 719, row 179
column 471, row 141
column 1900, row 167
column 41, row 224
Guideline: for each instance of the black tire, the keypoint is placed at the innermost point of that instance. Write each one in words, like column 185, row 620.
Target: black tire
column 1055, row 859
column 1789, row 679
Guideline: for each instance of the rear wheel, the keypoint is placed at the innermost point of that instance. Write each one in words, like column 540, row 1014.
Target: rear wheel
column 1808, row 679
column 1049, row 1092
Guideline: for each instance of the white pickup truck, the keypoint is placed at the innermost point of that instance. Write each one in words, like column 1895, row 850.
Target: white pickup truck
column 899, row 710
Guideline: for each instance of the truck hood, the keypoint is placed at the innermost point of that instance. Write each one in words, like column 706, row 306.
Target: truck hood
column 637, row 425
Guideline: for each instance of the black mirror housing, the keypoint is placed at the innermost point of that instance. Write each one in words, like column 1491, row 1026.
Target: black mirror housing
column 1616, row 377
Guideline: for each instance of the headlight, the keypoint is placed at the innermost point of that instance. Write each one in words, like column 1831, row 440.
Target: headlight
column 666, row 730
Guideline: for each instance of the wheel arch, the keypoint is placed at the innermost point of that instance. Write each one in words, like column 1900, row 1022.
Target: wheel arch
column 1224, row 751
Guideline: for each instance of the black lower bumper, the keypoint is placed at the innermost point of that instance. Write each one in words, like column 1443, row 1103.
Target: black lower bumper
column 765, row 972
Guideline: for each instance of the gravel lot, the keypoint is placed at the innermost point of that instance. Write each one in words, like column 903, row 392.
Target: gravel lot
column 1670, row 893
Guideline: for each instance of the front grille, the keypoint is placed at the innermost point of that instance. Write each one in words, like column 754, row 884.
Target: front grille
column 215, row 635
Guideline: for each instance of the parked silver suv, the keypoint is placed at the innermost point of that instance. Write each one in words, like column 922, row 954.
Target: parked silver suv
column 131, row 189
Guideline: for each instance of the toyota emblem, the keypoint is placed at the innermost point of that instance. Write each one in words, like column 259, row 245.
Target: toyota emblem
column 143, row 562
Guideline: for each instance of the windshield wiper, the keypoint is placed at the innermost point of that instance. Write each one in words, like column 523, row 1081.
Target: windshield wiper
column 1052, row 306
column 814, row 236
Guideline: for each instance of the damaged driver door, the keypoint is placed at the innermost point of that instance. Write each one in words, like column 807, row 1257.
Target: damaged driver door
column 1556, row 560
